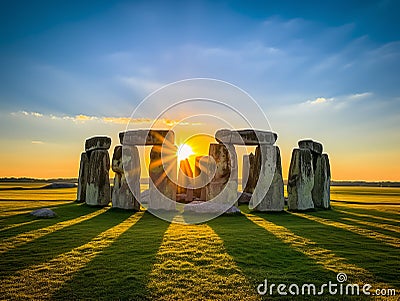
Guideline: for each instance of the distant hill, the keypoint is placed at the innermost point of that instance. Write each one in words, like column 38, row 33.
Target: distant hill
column 34, row 180
column 146, row 181
column 47, row 186
column 367, row 184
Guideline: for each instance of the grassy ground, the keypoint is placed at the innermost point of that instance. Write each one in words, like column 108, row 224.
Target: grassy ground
column 109, row 254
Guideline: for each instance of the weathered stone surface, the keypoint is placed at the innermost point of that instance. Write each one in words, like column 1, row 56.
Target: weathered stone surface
column 245, row 137
column 122, row 197
column 300, row 180
column 162, row 185
column 245, row 171
column 313, row 146
column 268, row 193
column 244, row 198
column 98, row 184
column 254, row 171
column 209, row 207
column 322, row 179
column 203, row 173
column 189, row 194
column 146, row 137
column 116, row 162
column 44, row 213
column 220, row 154
column 97, row 142
column 82, row 179
column 185, row 176
column 224, row 184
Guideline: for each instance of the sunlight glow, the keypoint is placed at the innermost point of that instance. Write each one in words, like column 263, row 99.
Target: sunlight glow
column 184, row 151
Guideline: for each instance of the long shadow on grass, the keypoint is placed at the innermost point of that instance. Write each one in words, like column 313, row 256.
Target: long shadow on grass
column 49, row 246
column 379, row 259
column 121, row 271
column 369, row 211
column 260, row 255
column 337, row 217
column 51, row 206
column 19, row 217
column 64, row 212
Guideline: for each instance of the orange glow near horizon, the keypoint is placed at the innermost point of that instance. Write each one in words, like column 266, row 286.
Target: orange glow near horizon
column 61, row 160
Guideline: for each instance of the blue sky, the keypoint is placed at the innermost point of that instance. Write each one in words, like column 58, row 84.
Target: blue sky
column 326, row 70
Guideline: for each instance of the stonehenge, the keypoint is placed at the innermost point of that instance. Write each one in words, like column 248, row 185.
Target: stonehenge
column 214, row 178
column 309, row 177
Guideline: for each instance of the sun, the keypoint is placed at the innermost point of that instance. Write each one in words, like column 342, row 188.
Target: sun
column 184, row 151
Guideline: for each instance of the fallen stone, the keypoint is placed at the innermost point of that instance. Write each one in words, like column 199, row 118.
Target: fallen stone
column 146, row 137
column 209, row 207
column 245, row 137
column 44, row 213
column 300, row 180
column 82, row 179
column 97, row 142
column 98, row 185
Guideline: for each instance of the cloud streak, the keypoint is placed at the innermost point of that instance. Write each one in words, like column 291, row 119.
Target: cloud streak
column 105, row 119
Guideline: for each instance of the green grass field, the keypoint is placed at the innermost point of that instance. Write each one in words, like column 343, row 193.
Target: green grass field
column 109, row 254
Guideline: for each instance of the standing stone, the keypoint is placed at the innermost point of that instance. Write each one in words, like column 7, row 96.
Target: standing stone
column 322, row 179
column 162, row 184
column 268, row 193
column 83, row 176
column 185, row 176
column 223, row 186
column 122, row 197
column 321, row 189
column 300, row 180
column 254, row 171
column 203, row 172
column 197, row 175
column 98, row 184
column 245, row 171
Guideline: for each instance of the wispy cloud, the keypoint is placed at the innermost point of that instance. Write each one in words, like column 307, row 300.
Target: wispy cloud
column 358, row 96
column 37, row 142
column 25, row 113
column 107, row 120
column 319, row 101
